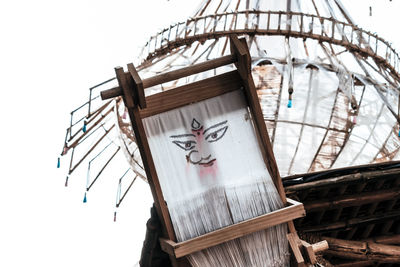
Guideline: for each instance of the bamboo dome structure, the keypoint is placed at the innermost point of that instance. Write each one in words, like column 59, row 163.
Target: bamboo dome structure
column 341, row 81
column 329, row 91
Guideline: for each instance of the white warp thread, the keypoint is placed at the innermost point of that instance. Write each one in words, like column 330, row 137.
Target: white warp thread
column 212, row 175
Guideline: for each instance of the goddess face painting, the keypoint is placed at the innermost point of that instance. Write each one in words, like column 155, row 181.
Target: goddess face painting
column 197, row 142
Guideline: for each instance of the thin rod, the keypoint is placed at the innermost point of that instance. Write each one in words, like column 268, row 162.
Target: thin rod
column 102, row 169
column 90, row 150
column 126, row 192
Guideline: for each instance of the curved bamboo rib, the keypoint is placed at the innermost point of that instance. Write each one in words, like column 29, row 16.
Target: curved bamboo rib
column 293, row 24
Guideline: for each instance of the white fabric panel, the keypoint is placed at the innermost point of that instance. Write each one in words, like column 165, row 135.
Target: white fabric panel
column 322, row 97
column 308, row 146
column 286, row 136
column 212, row 174
column 369, row 111
column 237, row 155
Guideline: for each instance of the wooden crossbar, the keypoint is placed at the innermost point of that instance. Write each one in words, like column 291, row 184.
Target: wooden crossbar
column 292, row 211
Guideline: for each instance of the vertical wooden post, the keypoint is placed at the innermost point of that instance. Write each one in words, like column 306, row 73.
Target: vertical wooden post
column 240, row 49
column 243, row 65
column 141, row 140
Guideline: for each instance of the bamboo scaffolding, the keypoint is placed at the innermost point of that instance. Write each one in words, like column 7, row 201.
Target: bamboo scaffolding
column 350, row 45
column 362, row 250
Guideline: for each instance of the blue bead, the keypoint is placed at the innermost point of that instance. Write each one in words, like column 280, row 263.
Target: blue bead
column 289, row 104
column 84, row 198
column 58, row 163
column 84, row 128
column 399, row 133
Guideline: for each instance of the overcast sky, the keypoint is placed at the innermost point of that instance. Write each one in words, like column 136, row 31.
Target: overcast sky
column 51, row 52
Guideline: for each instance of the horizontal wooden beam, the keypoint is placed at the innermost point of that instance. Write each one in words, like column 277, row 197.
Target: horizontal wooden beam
column 292, row 211
column 173, row 75
column 362, row 250
column 343, row 225
column 358, row 177
column 356, row 264
column 187, row 71
column 386, row 239
column 191, row 93
column 353, row 200
column 345, row 170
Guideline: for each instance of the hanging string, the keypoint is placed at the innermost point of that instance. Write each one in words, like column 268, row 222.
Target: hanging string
column 118, row 197
column 354, row 106
column 290, row 89
column 290, row 60
column 88, row 184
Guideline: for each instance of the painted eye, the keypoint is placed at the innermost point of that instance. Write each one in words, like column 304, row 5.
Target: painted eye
column 216, row 135
column 185, row 145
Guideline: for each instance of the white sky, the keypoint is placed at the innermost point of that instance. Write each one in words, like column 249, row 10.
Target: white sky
column 51, row 52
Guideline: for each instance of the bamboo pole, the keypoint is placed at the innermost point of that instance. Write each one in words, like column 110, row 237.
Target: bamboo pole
column 352, row 223
column 353, row 200
column 385, row 239
column 358, row 177
column 361, row 250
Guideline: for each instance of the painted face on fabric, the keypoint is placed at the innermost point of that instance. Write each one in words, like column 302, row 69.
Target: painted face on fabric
column 196, row 142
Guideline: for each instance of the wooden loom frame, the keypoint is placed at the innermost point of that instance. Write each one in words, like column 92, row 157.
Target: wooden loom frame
column 131, row 88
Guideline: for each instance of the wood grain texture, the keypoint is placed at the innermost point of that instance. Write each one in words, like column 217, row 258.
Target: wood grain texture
column 145, row 153
column 138, row 86
column 297, row 257
column 187, row 71
column 123, row 84
column 353, row 200
column 362, row 250
column 191, row 93
column 291, row 212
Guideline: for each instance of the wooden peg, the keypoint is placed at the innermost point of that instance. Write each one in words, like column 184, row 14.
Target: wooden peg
column 123, row 83
column 138, row 86
column 241, row 53
column 298, row 259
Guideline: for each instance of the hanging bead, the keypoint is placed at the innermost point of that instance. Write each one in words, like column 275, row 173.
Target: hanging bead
column 290, row 91
column 399, row 133
column 58, row 162
column 84, row 198
column 115, row 216
column 84, row 126
column 289, row 104
column 66, row 181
